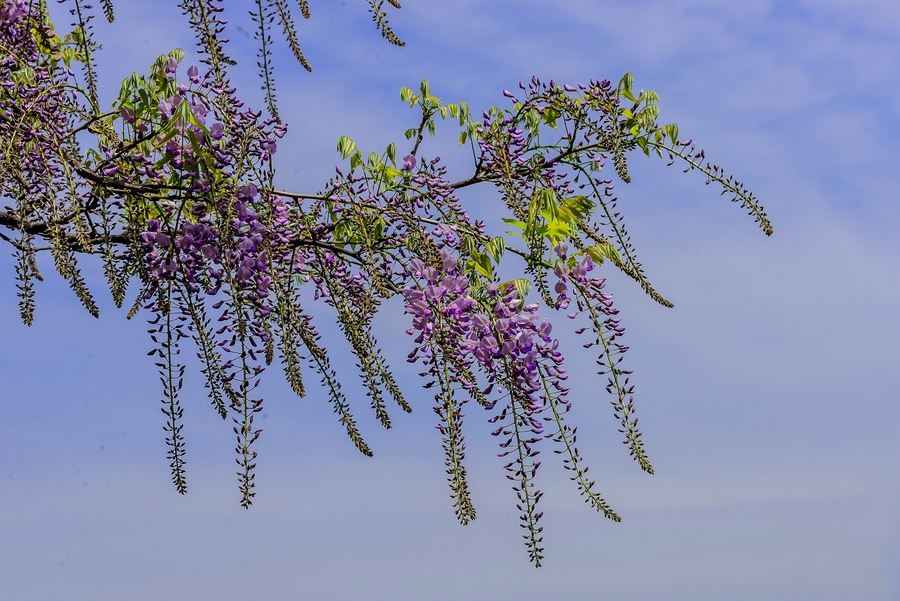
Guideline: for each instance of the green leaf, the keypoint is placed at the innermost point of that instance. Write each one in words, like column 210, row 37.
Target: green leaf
column 391, row 174
column 523, row 286
column 544, row 199
column 483, row 265
column 648, row 116
column 195, row 144
column 392, row 153
column 579, row 206
column 68, row 55
column 378, row 229
column 463, row 112
column 462, row 137
column 25, row 75
column 496, row 247
column 145, row 99
column 346, row 146
column 125, row 90
column 164, row 161
column 550, row 117
column 516, row 223
column 642, row 142
column 165, row 134
column 555, row 231
column 469, row 245
column 600, row 252
column 671, row 130
column 625, row 85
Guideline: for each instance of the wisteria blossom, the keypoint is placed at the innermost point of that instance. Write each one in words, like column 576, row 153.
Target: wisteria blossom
column 173, row 190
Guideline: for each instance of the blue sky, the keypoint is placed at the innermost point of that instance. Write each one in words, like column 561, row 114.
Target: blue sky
column 768, row 396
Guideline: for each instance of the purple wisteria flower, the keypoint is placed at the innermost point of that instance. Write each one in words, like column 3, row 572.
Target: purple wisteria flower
column 194, row 74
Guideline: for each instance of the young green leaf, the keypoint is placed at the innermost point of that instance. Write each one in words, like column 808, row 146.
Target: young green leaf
column 346, row 146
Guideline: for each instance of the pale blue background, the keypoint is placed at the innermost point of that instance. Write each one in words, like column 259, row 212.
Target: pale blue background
column 768, row 396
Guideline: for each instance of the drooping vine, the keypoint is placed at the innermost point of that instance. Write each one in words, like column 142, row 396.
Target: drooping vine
column 174, row 191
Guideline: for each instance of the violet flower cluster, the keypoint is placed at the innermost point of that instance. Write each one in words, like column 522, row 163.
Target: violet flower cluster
column 458, row 327
column 37, row 105
column 219, row 237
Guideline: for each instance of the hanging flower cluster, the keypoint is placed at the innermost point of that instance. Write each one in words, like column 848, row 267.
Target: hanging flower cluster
column 174, row 189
